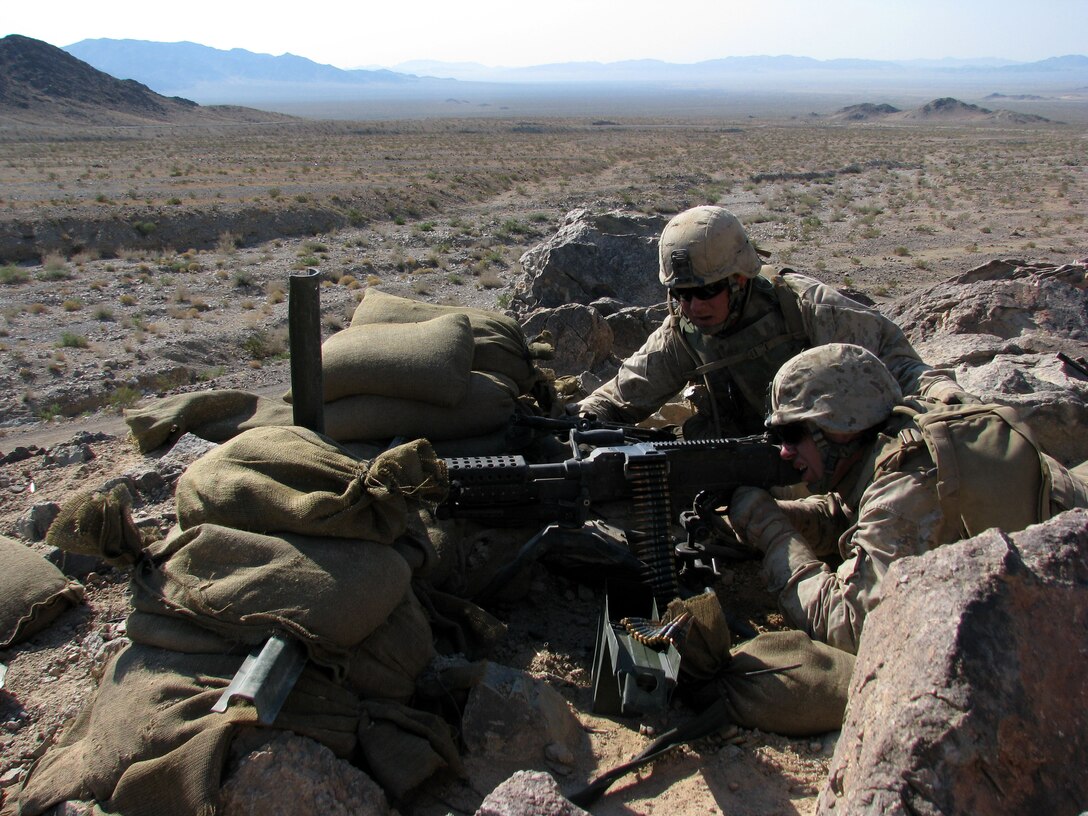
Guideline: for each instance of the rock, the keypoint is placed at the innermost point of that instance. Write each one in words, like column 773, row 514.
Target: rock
column 528, row 793
column 69, row 454
column 184, row 452
column 33, row 524
column 510, row 718
column 582, row 336
column 1000, row 327
column 593, row 256
column 291, row 774
column 632, row 325
column 968, row 695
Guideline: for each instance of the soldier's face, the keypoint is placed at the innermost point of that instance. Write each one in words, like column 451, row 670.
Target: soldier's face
column 805, row 457
column 706, row 314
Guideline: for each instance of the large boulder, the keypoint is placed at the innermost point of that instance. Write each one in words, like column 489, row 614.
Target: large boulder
column 1000, row 327
column 968, row 694
column 581, row 336
column 591, row 256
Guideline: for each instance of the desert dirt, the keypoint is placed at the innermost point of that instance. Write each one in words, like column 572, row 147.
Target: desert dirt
column 442, row 211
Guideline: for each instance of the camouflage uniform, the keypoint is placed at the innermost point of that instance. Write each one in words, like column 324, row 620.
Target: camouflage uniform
column 885, row 507
column 736, row 367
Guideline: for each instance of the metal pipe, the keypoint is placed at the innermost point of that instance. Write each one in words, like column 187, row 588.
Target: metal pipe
column 304, row 337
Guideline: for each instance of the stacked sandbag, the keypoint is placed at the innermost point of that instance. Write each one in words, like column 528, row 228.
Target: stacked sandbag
column 280, row 532
column 33, row 592
column 409, row 369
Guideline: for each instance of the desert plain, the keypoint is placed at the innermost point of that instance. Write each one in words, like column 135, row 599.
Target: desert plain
column 142, row 261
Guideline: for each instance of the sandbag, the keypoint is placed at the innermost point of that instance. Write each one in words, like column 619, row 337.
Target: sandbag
column 98, row 523
column 149, row 744
column 787, row 683
column 33, row 592
column 215, row 415
column 387, row 663
column 485, row 410
column 329, row 593
column 292, row 480
column 499, row 343
column 403, row 746
column 428, row 361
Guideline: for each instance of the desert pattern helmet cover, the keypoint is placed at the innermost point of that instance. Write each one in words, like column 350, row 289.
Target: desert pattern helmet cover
column 704, row 245
column 838, row 387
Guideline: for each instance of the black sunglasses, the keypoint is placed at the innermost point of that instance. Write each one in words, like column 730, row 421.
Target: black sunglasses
column 689, row 293
column 790, row 434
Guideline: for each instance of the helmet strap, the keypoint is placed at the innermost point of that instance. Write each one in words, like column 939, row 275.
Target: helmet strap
column 833, row 454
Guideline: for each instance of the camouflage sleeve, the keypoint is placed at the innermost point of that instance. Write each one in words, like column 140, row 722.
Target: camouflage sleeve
column 831, row 317
column 899, row 515
column 645, row 381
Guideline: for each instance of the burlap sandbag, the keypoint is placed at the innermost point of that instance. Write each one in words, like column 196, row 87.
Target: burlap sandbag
column 291, row 480
column 486, row 409
column 499, row 343
column 787, row 683
column 704, row 651
column 149, row 744
column 388, row 662
column 403, row 746
column 214, row 415
column 33, row 592
column 98, row 523
column 329, row 593
column 428, row 361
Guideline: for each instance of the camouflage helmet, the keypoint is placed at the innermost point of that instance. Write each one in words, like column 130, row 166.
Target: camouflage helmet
column 838, row 387
column 704, row 245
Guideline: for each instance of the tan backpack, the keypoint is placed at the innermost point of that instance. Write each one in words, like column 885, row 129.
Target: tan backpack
column 990, row 470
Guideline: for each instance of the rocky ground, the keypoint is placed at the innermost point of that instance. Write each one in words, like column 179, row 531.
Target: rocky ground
column 83, row 336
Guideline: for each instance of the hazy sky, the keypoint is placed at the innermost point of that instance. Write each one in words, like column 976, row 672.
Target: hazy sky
column 511, row 33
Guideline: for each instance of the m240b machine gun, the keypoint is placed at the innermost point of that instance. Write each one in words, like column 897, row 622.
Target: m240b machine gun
column 647, row 485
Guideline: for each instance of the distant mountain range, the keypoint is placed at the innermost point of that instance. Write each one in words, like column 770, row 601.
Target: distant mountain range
column 707, row 70
column 42, row 84
column 213, row 75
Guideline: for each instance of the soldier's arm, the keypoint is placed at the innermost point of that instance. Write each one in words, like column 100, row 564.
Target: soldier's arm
column 831, row 317
column 899, row 516
column 645, row 381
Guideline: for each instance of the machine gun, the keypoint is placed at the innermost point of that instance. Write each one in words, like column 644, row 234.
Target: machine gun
column 645, row 486
column 640, row 487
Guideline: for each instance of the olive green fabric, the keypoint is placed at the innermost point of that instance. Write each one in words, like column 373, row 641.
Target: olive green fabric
column 704, row 651
column 404, row 746
column 291, row 480
column 787, row 683
column 149, row 744
column 33, row 592
column 98, row 523
column 329, row 593
column 486, row 409
column 428, row 361
column 499, row 343
column 214, row 415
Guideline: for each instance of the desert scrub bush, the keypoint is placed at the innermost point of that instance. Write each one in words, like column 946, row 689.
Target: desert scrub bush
column 489, row 279
column 145, row 228
column 54, row 268
column 901, row 251
column 72, row 340
column 306, row 261
column 72, row 305
column 103, row 314
column 263, row 344
column 276, row 291
column 123, row 397
column 311, row 247
column 10, row 275
column 228, row 243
